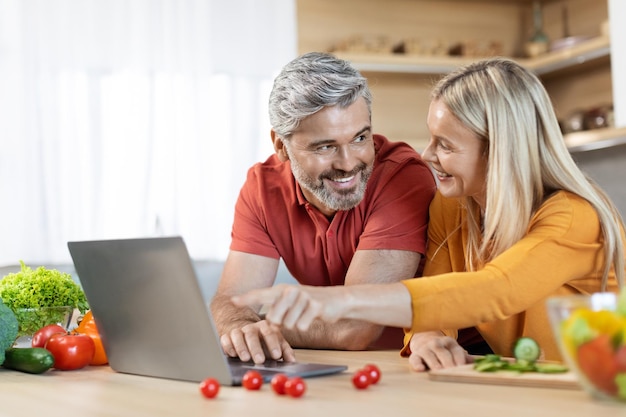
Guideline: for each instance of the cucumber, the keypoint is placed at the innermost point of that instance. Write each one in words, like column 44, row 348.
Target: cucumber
column 551, row 368
column 490, row 366
column 526, row 352
column 526, row 349
column 31, row 360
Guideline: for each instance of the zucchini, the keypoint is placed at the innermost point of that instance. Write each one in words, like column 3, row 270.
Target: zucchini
column 526, row 349
column 31, row 360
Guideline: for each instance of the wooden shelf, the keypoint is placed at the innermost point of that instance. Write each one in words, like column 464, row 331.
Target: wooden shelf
column 595, row 139
column 588, row 140
column 592, row 50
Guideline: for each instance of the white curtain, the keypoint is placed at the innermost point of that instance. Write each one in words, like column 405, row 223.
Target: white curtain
column 130, row 118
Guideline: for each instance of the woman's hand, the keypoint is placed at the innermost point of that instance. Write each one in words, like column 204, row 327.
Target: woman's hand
column 434, row 350
column 296, row 306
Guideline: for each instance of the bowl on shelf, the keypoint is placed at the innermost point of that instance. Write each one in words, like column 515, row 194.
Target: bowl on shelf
column 591, row 333
column 32, row 319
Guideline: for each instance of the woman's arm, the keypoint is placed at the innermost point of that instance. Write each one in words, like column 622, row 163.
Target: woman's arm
column 297, row 306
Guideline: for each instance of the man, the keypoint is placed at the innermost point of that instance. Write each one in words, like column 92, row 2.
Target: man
column 339, row 204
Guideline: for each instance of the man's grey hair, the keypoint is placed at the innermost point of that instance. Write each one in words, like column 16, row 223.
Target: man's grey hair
column 308, row 84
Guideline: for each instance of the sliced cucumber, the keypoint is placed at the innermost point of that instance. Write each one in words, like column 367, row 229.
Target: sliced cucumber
column 526, row 353
column 490, row 366
column 526, row 349
column 490, row 357
column 521, row 366
column 551, row 368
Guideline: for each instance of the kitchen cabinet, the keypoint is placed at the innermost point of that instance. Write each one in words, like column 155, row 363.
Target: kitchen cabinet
column 577, row 78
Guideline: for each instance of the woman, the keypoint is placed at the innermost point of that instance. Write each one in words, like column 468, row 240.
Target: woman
column 514, row 222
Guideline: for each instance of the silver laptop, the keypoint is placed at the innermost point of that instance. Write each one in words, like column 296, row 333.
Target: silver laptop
column 153, row 318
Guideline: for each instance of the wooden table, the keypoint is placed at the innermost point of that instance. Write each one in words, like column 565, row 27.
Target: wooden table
column 99, row 391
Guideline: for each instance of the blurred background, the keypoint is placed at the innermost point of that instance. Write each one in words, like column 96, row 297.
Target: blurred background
column 134, row 118
column 127, row 118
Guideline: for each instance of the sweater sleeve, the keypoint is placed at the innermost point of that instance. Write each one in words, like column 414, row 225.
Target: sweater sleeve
column 561, row 247
column 438, row 256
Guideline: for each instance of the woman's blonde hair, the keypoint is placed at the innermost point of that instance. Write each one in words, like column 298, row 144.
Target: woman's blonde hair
column 528, row 159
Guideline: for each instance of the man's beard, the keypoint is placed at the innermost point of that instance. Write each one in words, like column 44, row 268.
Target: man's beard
column 332, row 198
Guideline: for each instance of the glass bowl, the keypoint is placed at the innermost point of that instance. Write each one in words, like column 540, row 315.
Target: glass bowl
column 32, row 319
column 592, row 339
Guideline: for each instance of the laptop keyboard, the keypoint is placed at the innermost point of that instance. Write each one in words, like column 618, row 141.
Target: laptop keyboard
column 268, row 368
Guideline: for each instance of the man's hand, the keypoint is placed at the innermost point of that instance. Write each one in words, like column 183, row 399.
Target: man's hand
column 311, row 317
column 434, row 350
column 256, row 341
column 242, row 331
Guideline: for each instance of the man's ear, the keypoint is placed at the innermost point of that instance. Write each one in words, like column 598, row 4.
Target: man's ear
column 279, row 147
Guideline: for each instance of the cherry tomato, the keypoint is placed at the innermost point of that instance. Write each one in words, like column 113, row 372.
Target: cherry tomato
column 295, row 387
column 278, row 383
column 210, row 387
column 71, row 351
column 252, row 380
column 88, row 326
column 42, row 335
column 361, row 379
column 373, row 371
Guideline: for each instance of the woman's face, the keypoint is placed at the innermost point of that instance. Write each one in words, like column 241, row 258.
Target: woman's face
column 456, row 154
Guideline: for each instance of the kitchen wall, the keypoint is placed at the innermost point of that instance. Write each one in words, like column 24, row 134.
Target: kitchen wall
column 617, row 10
column 606, row 166
column 401, row 98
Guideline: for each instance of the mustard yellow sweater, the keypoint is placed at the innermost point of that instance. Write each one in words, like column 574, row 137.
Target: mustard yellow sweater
column 561, row 253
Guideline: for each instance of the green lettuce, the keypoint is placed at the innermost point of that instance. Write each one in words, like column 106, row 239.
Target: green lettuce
column 37, row 289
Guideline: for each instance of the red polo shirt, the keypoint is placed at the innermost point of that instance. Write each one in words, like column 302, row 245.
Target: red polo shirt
column 273, row 219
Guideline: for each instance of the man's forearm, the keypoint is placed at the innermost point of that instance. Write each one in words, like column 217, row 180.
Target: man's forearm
column 227, row 316
column 345, row 334
column 342, row 335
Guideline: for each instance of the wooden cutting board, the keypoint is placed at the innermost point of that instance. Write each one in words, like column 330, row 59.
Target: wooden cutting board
column 466, row 373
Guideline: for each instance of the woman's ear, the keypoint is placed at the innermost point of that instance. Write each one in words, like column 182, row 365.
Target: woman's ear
column 279, row 147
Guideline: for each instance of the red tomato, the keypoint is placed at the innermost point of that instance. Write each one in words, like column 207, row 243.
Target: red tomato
column 71, row 351
column 361, row 379
column 620, row 359
column 252, row 380
column 42, row 335
column 373, row 371
column 278, row 383
column 595, row 359
column 210, row 387
column 295, row 387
